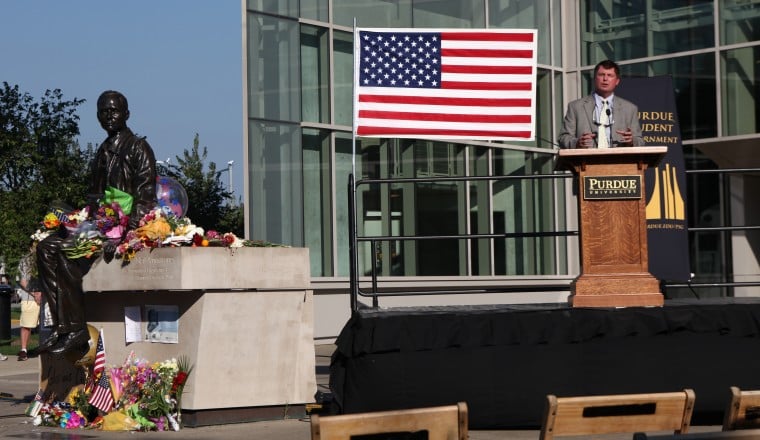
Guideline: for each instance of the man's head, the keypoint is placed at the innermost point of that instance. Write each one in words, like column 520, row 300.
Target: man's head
column 606, row 78
column 113, row 111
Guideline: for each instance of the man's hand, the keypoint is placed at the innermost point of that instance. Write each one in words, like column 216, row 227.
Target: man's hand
column 586, row 140
column 109, row 249
column 626, row 136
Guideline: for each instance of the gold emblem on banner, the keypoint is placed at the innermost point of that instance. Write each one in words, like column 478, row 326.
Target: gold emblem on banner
column 667, row 201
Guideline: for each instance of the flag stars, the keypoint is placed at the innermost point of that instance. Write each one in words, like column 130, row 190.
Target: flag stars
column 389, row 59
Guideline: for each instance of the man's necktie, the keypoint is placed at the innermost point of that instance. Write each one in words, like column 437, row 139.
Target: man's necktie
column 604, row 120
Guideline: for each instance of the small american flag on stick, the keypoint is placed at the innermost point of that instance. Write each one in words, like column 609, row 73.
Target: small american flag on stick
column 101, row 397
column 100, row 356
column 445, row 84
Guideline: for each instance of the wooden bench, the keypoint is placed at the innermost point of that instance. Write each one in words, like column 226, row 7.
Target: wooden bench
column 743, row 410
column 622, row 413
column 439, row 423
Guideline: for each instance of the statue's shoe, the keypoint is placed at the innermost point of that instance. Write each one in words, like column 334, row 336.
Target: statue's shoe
column 70, row 341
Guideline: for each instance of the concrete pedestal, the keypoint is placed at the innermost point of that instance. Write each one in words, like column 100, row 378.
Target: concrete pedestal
column 245, row 321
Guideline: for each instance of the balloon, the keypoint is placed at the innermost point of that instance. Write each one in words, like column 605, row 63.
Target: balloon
column 171, row 195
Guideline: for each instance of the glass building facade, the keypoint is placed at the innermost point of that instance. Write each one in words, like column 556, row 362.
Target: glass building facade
column 298, row 81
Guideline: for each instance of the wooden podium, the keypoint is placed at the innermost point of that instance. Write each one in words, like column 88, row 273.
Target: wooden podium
column 613, row 227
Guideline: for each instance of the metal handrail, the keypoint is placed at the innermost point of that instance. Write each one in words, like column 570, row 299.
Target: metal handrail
column 354, row 239
column 722, row 229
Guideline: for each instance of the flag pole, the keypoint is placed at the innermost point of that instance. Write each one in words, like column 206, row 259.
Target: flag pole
column 355, row 104
column 352, row 240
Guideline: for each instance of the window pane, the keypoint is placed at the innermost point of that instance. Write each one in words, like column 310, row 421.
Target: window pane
column 315, row 75
column 317, row 209
column 559, row 111
column 448, row 14
column 273, row 69
column 281, row 7
column 276, row 188
column 694, row 88
column 557, row 34
column 521, row 206
column 343, row 166
column 740, row 21
column 480, row 209
column 625, row 30
column 314, row 9
column 440, row 208
column 372, row 13
column 344, row 77
column 518, row 14
column 409, row 13
column 740, row 87
column 709, row 250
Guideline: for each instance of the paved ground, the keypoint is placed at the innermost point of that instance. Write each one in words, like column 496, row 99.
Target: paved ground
column 19, row 382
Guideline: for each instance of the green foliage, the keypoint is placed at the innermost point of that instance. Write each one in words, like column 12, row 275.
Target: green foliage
column 40, row 162
column 209, row 202
column 82, row 404
column 232, row 220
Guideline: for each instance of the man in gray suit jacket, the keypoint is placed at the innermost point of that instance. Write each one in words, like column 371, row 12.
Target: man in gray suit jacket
column 601, row 113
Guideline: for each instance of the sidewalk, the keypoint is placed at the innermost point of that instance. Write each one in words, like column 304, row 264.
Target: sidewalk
column 19, row 383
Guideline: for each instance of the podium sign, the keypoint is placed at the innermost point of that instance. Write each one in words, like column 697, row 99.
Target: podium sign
column 613, row 227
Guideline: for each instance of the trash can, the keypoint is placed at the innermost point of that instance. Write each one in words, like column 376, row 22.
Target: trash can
column 6, row 292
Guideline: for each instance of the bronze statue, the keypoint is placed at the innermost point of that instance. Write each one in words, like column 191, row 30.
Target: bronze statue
column 123, row 161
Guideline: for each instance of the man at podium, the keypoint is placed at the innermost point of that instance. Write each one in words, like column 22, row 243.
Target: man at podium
column 601, row 119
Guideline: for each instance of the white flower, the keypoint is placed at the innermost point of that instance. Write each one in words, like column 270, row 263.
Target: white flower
column 40, row 235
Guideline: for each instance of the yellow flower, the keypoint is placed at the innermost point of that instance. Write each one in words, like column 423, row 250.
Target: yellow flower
column 156, row 230
column 51, row 221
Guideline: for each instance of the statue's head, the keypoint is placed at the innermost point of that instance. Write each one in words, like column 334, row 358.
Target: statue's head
column 113, row 111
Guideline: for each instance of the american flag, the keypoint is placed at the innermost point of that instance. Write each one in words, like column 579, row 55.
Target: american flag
column 62, row 216
column 100, row 356
column 101, row 397
column 445, row 84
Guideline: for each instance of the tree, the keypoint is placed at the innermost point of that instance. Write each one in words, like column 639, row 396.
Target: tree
column 40, row 162
column 208, row 199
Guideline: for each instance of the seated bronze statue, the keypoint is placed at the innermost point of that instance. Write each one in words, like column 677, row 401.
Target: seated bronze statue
column 123, row 161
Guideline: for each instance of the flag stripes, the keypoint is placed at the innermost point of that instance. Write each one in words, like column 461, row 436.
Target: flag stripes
column 444, row 84
column 101, row 397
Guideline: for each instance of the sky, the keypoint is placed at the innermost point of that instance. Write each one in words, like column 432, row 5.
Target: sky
column 178, row 62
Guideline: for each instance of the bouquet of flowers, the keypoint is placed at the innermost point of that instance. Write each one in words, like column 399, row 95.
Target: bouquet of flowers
column 86, row 234
column 111, row 221
column 160, row 227
column 147, row 396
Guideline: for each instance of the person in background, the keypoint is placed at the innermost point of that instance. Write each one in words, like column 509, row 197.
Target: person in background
column 30, row 299
column 601, row 113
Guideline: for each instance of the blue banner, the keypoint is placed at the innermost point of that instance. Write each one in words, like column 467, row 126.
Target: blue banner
column 667, row 234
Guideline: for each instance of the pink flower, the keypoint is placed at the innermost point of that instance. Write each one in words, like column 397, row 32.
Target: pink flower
column 115, row 232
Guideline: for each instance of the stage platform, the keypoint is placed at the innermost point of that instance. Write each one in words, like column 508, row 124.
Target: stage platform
column 504, row 359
